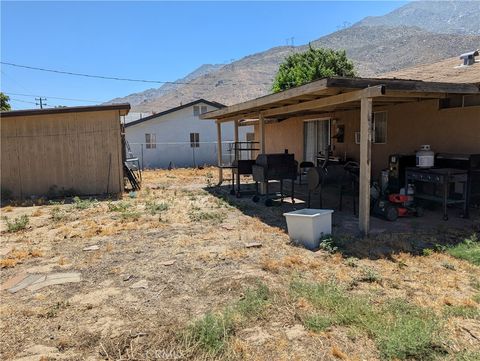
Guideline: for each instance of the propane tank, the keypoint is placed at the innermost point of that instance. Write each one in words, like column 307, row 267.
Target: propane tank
column 425, row 157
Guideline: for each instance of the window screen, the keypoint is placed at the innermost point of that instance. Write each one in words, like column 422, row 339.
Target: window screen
column 203, row 109
column 196, row 110
column 150, row 141
column 194, row 140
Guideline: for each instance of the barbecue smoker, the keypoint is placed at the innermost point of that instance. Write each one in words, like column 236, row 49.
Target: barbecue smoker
column 270, row 167
column 242, row 165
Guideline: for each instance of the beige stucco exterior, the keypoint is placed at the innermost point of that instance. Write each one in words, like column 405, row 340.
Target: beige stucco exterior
column 72, row 150
column 409, row 125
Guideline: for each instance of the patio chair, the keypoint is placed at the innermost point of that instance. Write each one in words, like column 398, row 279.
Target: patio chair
column 302, row 169
column 342, row 178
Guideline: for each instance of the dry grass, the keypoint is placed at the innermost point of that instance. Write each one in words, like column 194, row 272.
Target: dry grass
column 175, row 218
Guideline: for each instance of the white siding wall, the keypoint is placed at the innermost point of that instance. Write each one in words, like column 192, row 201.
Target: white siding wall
column 173, row 139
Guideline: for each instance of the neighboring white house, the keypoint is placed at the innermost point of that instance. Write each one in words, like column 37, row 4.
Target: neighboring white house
column 178, row 137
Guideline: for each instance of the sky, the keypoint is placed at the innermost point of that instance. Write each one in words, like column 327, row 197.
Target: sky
column 161, row 41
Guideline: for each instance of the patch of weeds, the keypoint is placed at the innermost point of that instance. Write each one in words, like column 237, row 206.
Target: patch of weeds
column 212, row 332
column 406, row 331
column 462, row 311
column 253, row 302
column 57, row 214
column 197, row 215
column 209, row 179
column 427, row 251
column 82, row 204
column 130, row 215
column 118, row 206
column 318, row 322
column 467, row 356
column 352, row 262
column 369, row 275
column 154, row 208
column 17, row 224
column 328, row 244
column 468, row 250
column 400, row 330
column 448, row 266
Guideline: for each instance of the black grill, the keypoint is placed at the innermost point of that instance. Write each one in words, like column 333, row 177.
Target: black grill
column 278, row 167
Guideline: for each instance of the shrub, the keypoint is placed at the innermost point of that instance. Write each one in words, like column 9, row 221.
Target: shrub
column 154, row 208
column 81, row 204
column 118, row 206
column 17, row 224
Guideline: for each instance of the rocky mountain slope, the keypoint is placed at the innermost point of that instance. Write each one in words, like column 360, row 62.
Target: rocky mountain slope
column 454, row 17
column 374, row 47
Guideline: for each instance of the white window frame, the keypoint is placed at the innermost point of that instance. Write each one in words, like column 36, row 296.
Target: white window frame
column 196, row 110
column 150, row 141
column 194, row 140
column 203, row 109
column 357, row 134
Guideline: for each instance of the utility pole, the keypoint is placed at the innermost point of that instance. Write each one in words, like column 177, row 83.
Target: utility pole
column 41, row 101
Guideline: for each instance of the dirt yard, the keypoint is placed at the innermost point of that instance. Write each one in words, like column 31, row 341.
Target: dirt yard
column 181, row 270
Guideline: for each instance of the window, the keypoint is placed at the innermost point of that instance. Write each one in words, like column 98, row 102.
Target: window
column 203, row 109
column 380, row 127
column 460, row 101
column 196, row 110
column 150, row 141
column 194, row 140
column 379, row 133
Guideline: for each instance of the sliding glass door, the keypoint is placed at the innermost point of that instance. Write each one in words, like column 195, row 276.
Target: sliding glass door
column 316, row 139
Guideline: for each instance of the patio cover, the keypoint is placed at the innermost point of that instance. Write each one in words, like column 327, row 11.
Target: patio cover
column 328, row 95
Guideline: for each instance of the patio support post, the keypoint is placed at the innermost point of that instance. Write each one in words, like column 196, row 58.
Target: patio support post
column 365, row 164
column 261, row 132
column 219, row 153
column 261, row 136
column 235, row 139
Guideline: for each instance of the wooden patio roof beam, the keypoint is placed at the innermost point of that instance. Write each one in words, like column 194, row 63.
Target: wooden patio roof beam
column 356, row 95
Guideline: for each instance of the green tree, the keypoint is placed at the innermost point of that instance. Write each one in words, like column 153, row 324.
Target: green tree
column 313, row 64
column 4, row 99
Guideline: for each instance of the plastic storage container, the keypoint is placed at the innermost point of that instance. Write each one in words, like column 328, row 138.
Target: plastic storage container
column 307, row 226
column 425, row 157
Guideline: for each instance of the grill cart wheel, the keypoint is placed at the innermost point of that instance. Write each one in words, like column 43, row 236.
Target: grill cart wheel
column 255, row 199
column 269, row 202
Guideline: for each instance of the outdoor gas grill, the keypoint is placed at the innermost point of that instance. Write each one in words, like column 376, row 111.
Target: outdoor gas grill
column 270, row 167
column 468, row 162
column 443, row 181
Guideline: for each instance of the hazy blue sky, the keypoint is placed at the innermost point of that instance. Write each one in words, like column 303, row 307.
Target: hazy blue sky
column 149, row 40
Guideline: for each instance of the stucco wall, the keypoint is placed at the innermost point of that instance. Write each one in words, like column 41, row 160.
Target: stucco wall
column 79, row 151
column 408, row 126
column 173, row 137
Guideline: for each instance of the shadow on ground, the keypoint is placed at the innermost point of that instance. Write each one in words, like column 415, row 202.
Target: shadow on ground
column 411, row 235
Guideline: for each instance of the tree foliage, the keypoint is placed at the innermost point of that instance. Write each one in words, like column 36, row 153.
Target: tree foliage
column 313, row 64
column 4, row 102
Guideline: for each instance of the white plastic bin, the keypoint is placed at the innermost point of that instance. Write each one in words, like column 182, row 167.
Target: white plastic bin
column 307, row 226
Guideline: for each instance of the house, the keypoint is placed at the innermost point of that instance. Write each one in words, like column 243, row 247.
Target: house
column 177, row 137
column 367, row 119
column 74, row 150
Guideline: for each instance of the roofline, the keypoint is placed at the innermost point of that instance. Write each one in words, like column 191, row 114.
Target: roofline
column 172, row 110
column 418, row 86
column 89, row 108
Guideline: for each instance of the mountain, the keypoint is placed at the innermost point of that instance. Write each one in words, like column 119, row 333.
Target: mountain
column 453, row 17
column 153, row 93
column 408, row 36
